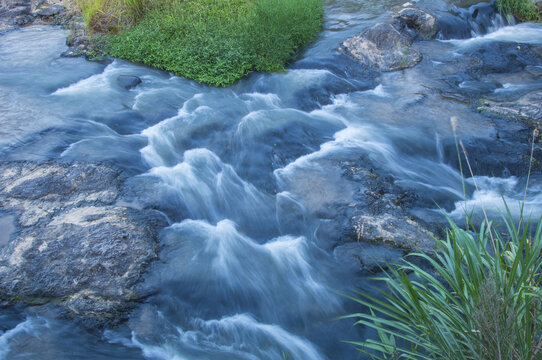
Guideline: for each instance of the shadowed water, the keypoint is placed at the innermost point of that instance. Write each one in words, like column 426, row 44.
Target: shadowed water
column 244, row 173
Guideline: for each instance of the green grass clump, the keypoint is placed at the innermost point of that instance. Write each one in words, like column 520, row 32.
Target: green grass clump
column 219, row 41
column 524, row 10
column 481, row 299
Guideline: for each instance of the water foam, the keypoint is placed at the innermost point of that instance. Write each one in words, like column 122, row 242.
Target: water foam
column 522, row 33
column 29, row 326
column 494, row 194
column 103, row 81
column 239, row 336
column 246, row 270
column 212, row 190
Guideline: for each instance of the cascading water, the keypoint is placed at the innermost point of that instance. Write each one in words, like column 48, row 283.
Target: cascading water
column 246, row 174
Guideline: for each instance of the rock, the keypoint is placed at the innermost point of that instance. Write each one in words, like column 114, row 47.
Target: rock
column 382, row 47
column 377, row 214
column 528, row 107
column 128, row 81
column 482, row 16
column 452, row 27
column 399, row 231
column 73, row 245
column 52, row 10
column 423, row 23
column 14, row 13
column 367, row 257
column 23, row 20
column 499, row 57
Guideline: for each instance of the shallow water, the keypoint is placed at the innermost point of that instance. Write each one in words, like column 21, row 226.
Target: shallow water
column 243, row 173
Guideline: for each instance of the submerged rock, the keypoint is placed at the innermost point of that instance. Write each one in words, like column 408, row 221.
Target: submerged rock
column 528, row 107
column 450, row 26
column 73, row 245
column 128, row 81
column 382, row 47
column 377, row 215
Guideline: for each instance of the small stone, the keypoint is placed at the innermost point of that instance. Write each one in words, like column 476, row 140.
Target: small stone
column 128, row 81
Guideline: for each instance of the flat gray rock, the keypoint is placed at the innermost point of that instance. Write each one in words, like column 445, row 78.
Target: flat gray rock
column 73, row 244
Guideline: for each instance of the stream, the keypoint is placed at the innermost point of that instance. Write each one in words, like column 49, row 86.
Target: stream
column 248, row 176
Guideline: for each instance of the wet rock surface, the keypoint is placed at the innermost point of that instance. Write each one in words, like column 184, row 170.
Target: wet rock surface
column 379, row 214
column 391, row 45
column 382, row 47
column 423, row 23
column 16, row 13
column 367, row 258
column 73, row 245
column 128, row 81
column 527, row 107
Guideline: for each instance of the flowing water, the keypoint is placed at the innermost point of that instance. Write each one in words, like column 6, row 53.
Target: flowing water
column 243, row 173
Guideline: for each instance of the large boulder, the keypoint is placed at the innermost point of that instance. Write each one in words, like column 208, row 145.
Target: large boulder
column 382, row 47
column 75, row 244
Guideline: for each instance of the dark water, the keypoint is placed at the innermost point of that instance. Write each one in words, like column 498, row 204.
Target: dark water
column 243, row 173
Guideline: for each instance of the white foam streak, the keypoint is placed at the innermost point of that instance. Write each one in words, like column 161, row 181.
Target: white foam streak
column 239, row 336
column 166, row 138
column 28, row 326
column 379, row 91
column 523, row 33
column 245, row 267
column 99, row 82
column 353, row 137
column 490, row 194
column 212, row 190
column 242, row 330
column 161, row 352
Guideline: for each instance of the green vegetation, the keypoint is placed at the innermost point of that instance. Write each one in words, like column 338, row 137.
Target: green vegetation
column 112, row 15
column 212, row 41
column 482, row 299
column 525, row 10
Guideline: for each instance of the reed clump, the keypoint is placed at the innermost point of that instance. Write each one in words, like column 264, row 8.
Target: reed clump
column 481, row 298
